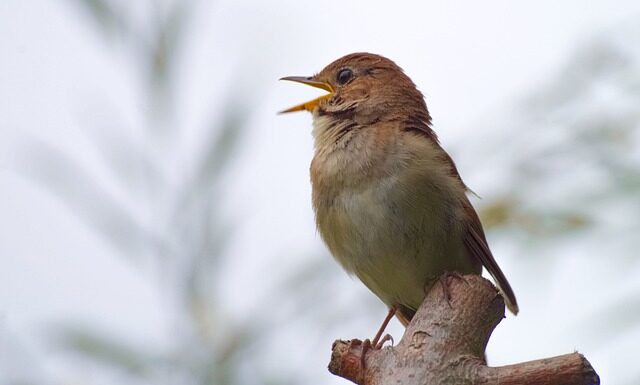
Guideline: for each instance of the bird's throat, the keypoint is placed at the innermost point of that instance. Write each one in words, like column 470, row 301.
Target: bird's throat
column 330, row 132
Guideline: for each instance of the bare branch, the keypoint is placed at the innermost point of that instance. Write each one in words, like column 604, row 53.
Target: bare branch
column 445, row 344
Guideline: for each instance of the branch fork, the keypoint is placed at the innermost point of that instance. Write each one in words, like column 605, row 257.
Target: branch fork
column 444, row 345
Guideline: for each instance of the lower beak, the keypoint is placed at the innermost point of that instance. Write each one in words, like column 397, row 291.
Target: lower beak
column 310, row 105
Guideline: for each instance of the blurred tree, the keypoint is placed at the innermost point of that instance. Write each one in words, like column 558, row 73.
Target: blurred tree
column 581, row 127
column 174, row 224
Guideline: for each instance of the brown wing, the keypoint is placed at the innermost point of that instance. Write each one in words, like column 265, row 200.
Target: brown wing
column 474, row 240
column 476, row 244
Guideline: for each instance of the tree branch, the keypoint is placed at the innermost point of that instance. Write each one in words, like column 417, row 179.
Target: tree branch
column 445, row 344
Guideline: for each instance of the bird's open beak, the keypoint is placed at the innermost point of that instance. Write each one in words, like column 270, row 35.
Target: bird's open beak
column 310, row 105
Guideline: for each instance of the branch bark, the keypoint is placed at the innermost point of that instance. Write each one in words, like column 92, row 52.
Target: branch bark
column 444, row 345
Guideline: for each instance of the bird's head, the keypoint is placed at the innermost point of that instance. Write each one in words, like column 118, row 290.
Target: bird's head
column 364, row 88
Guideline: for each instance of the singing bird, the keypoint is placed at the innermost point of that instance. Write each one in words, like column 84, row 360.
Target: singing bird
column 389, row 202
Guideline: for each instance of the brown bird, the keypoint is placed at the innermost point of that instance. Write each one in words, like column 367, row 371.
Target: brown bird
column 389, row 202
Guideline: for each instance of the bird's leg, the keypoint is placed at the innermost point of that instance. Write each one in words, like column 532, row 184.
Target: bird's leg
column 366, row 345
column 377, row 343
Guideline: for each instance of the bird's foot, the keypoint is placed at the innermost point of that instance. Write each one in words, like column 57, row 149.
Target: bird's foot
column 444, row 278
column 367, row 345
column 378, row 341
column 380, row 344
column 364, row 347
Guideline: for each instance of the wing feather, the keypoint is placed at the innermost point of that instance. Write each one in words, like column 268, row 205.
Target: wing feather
column 476, row 244
column 474, row 239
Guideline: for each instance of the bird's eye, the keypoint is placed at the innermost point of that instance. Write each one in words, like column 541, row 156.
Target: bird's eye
column 344, row 76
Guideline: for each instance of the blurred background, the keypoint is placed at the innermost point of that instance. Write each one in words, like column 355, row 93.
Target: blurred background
column 155, row 216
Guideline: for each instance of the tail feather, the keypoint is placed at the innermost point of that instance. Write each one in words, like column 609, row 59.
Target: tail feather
column 404, row 314
column 478, row 248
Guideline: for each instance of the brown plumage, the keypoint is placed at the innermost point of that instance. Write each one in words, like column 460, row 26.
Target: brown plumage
column 389, row 201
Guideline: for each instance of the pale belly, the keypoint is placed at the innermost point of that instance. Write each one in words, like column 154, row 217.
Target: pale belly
column 398, row 241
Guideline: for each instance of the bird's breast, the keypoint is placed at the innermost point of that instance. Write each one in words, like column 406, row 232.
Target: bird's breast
column 397, row 230
column 360, row 224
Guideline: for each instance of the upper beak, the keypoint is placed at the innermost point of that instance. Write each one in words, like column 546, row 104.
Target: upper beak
column 310, row 105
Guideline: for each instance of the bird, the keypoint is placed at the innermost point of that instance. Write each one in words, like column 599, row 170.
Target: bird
column 389, row 202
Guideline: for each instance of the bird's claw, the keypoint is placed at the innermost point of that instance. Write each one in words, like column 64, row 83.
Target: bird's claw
column 445, row 287
column 385, row 338
column 367, row 345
